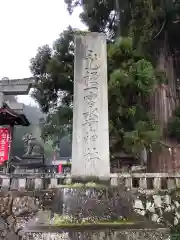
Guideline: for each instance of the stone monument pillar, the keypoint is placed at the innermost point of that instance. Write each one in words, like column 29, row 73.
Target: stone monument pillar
column 90, row 148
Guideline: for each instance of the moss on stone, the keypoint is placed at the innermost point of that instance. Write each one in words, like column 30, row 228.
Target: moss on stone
column 94, row 179
column 99, row 223
column 81, row 185
column 66, row 220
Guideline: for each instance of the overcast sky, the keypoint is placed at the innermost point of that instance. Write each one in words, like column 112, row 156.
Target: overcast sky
column 25, row 25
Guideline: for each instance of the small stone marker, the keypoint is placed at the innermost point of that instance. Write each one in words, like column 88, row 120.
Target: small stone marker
column 90, row 148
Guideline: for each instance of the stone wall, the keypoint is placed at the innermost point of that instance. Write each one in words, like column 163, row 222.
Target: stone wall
column 162, row 208
column 15, row 212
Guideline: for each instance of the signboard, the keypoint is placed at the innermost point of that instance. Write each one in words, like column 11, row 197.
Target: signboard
column 60, row 168
column 5, row 140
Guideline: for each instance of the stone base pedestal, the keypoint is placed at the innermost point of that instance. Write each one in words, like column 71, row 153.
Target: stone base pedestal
column 110, row 234
column 98, row 203
column 93, row 213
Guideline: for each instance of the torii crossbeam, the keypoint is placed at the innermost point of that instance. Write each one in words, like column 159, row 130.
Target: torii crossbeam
column 14, row 87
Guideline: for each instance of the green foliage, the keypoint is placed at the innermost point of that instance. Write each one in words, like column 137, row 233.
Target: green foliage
column 174, row 125
column 153, row 24
column 175, row 232
column 57, row 124
column 71, row 4
column 53, row 70
column 132, row 79
column 110, row 16
column 145, row 134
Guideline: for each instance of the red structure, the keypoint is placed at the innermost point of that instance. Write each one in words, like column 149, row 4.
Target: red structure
column 5, row 144
column 60, row 168
column 9, row 119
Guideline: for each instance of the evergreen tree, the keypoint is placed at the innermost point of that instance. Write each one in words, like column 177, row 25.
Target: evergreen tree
column 152, row 23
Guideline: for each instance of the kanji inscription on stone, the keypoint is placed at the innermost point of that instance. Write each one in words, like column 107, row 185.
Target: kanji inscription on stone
column 90, row 151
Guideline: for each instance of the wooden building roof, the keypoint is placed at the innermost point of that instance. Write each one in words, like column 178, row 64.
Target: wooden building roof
column 12, row 118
